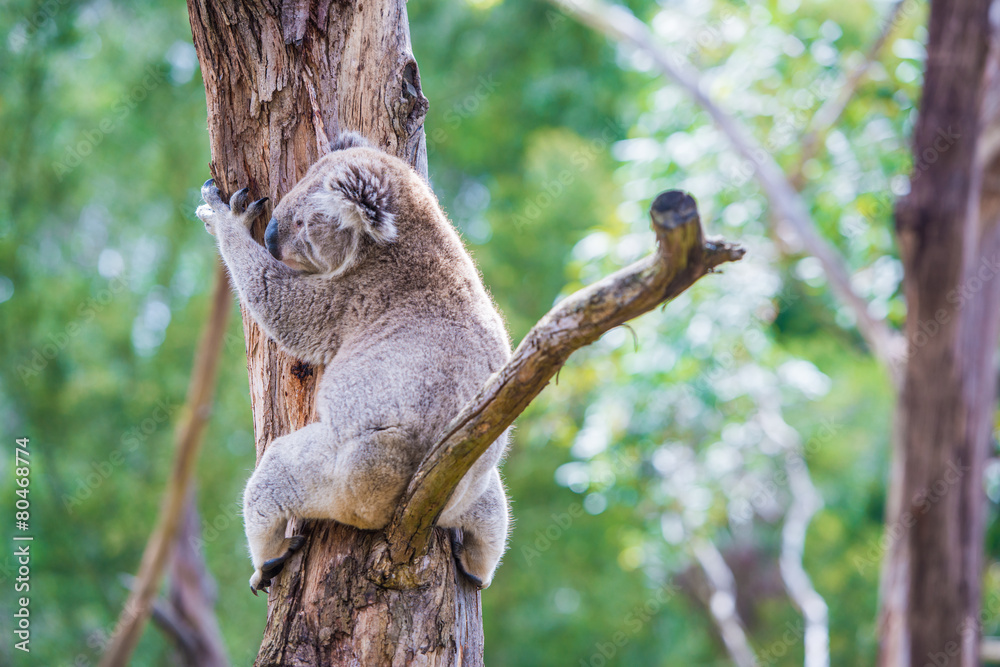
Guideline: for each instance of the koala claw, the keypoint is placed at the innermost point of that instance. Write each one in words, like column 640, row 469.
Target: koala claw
column 477, row 582
column 238, row 202
column 258, row 583
column 210, row 193
column 456, row 549
column 237, row 208
column 261, row 579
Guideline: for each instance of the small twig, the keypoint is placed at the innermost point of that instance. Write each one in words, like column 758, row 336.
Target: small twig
column 621, row 25
column 635, row 336
column 188, row 440
column 806, row 501
column 682, row 257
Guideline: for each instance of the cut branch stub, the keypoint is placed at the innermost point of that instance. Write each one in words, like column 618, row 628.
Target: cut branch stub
column 683, row 256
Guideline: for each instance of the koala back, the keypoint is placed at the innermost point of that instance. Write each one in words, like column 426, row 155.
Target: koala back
column 405, row 326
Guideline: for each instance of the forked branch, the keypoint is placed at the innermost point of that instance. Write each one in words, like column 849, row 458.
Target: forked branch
column 682, row 257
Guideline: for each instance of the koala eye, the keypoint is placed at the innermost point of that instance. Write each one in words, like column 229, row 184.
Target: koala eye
column 299, row 223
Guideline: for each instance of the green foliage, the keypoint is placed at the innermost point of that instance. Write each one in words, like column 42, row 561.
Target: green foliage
column 546, row 144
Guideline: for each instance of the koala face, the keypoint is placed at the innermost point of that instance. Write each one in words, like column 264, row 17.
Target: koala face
column 342, row 207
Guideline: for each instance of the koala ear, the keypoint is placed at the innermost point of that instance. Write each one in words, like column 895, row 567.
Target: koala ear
column 364, row 197
column 347, row 140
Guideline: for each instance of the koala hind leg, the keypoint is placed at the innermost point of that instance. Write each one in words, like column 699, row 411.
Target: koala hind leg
column 484, row 529
column 313, row 474
column 272, row 496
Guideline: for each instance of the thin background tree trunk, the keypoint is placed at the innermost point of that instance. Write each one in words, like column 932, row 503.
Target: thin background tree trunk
column 191, row 597
column 949, row 244
column 282, row 80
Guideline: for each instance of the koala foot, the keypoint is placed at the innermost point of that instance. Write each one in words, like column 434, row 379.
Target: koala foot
column 215, row 211
column 261, row 579
column 462, row 559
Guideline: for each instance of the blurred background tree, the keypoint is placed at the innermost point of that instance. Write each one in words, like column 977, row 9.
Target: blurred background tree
column 658, row 450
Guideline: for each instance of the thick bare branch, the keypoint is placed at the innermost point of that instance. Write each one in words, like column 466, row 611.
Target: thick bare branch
column 683, row 256
column 188, row 438
column 788, row 206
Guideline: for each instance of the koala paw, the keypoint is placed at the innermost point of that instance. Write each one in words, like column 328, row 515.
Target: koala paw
column 261, row 579
column 215, row 211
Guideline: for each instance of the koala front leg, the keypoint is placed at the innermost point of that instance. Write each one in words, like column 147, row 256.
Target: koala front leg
column 273, row 292
column 248, row 262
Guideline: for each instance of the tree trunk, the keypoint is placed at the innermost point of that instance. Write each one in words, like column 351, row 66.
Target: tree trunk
column 189, row 610
column 282, row 80
column 948, row 240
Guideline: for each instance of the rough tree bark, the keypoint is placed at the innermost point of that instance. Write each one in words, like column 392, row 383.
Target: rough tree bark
column 281, row 82
column 282, row 79
column 949, row 242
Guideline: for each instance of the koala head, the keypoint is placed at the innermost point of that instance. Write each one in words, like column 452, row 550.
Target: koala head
column 341, row 208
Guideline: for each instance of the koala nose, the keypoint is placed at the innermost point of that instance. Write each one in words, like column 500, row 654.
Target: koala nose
column 271, row 238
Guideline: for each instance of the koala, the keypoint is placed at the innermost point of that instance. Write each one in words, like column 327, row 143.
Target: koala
column 362, row 272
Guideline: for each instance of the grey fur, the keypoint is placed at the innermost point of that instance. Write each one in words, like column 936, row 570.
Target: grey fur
column 374, row 283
